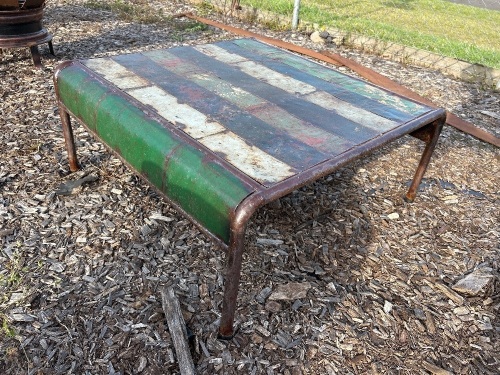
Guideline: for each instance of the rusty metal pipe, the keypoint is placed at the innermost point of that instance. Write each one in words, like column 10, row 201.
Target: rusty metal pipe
column 234, row 258
column 434, row 129
column 69, row 139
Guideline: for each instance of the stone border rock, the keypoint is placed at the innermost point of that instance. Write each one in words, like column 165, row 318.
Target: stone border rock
column 454, row 68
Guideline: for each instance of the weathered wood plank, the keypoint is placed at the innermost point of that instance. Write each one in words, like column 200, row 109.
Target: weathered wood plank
column 345, row 81
column 177, row 328
column 116, row 73
column 290, row 102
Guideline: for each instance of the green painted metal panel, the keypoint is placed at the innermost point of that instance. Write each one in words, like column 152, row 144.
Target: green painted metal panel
column 201, row 187
column 80, row 96
column 142, row 142
column 205, row 188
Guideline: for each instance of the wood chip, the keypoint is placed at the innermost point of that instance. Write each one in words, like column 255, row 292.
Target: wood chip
column 435, row 370
column 473, row 284
column 290, row 292
column 459, row 300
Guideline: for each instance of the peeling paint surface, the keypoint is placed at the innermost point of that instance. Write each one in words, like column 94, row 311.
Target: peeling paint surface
column 267, row 112
column 350, row 111
column 247, row 158
column 113, row 72
column 191, row 121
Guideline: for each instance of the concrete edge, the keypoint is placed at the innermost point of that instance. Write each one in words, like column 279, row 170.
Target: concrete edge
column 454, row 68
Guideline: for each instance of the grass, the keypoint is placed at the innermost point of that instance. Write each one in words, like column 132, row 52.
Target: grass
column 463, row 32
column 11, row 275
column 5, row 329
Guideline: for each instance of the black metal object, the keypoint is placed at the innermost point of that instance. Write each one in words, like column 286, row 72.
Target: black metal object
column 22, row 27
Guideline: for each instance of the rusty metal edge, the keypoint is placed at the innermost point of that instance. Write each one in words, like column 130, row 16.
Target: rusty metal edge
column 329, row 166
column 388, row 83
column 28, row 40
column 21, row 15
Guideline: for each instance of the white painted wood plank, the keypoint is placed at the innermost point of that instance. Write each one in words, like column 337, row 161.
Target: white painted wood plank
column 116, row 73
column 191, row 121
column 215, row 51
column 351, row 112
column 251, row 160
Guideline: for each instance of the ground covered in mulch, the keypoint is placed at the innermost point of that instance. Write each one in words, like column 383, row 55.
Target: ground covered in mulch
column 378, row 284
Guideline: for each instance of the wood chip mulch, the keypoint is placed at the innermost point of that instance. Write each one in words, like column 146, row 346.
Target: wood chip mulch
column 340, row 277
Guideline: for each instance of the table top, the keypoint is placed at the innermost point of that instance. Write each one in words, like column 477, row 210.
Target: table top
column 269, row 113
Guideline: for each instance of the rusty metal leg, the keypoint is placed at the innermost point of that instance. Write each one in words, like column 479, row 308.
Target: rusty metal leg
column 35, row 54
column 235, row 256
column 51, row 48
column 69, row 139
column 434, row 130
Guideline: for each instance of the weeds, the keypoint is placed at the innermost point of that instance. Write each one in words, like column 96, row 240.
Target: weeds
column 205, row 8
column 190, row 26
column 6, row 329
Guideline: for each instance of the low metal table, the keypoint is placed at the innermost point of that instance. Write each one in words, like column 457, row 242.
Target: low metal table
column 222, row 129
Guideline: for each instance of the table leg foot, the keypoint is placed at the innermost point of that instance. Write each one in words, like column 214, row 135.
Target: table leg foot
column 51, row 48
column 35, row 54
column 226, row 338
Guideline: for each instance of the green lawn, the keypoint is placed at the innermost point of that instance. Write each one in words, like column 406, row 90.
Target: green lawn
column 459, row 31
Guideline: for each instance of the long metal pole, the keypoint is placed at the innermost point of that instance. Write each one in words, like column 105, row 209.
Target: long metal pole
column 295, row 18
